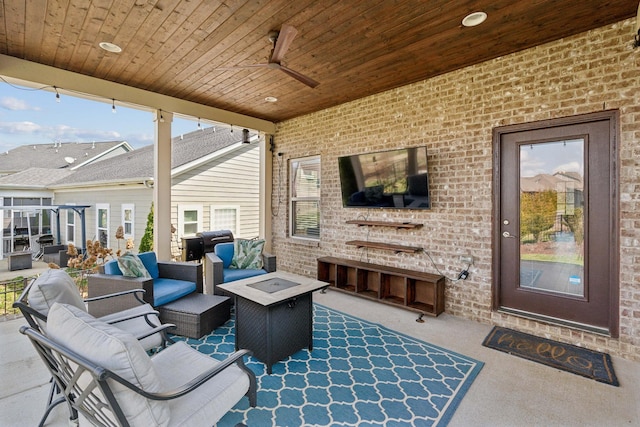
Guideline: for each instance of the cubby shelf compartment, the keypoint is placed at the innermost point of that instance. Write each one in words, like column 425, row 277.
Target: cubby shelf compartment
column 413, row 290
column 384, row 246
column 385, row 223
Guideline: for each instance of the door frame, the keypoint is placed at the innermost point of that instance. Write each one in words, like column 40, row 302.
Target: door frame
column 613, row 116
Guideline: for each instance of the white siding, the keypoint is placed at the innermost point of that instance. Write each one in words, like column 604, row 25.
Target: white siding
column 232, row 180
column 115, row 196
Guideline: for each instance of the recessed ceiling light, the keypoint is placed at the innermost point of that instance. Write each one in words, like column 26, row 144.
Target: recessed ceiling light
column 110, row 47
column 271, row 99
column 473, row 19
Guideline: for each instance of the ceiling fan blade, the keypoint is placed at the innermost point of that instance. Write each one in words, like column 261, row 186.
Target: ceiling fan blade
column 285, row 37
column 300, row 77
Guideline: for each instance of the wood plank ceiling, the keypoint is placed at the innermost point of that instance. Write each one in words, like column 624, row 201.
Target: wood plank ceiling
column 353, row 48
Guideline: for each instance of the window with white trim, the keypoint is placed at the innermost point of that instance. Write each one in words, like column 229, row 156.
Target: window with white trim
column 128, row 220
column 225, row 218
column 102, row 224
column 189, row 220
column 71, row 226
column 305, row 197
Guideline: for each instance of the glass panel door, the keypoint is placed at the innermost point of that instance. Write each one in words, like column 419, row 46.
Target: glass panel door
column 556, row 221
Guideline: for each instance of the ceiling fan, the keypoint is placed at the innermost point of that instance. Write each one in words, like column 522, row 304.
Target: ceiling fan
column 281, row 41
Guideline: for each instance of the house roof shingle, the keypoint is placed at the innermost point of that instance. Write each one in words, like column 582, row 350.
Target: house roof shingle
column 35, row 177
column 55, row 155
column 139, row 164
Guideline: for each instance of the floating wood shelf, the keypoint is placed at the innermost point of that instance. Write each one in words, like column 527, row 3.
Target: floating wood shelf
column 385, row 246
column 385, row 223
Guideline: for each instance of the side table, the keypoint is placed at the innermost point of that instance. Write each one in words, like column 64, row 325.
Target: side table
column 195, row 315
column 273, row 323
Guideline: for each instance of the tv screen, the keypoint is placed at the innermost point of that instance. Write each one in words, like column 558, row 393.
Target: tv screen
column 385, row 179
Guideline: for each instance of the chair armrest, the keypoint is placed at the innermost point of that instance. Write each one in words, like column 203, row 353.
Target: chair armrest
column 105, row 284
column 268, row 262
column 162, row 328
column 137, row 294
column 189, row 271
column 213, row 273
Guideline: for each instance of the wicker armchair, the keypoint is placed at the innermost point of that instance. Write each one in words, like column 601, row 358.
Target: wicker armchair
column 169, row 281
column 217, row 269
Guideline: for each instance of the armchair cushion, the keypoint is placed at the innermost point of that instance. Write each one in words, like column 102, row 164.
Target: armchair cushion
column 117, row 351
column 150, row 262
column 131, row 265
column 233, row 274
column 224, row 251
column 53, row 286
column 247, row 254
column 167, row 290
column 112, row 268
column 213, row 399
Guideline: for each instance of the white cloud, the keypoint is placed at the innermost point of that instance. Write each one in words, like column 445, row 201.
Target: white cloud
column 20, row 128
column 569, row 167
column 61, row 133
column 15, row 104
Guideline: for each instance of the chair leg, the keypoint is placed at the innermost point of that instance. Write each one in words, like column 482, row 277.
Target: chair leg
column 51, row 403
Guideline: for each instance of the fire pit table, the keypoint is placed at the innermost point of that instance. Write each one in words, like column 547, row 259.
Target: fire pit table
column 274, row 314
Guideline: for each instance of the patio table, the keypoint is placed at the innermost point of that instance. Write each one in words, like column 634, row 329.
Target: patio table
column 274, row 314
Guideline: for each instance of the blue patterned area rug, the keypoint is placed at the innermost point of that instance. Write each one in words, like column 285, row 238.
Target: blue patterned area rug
column 358, row 374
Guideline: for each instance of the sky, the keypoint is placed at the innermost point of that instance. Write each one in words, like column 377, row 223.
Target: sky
column 552, row 157
column 33, row 116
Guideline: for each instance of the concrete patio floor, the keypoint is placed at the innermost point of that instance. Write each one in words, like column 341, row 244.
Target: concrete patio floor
column 509, row 391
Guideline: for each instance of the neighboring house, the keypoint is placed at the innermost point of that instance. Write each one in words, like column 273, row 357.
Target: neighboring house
column 215, row 185
column 25, row 176
column 58, row 155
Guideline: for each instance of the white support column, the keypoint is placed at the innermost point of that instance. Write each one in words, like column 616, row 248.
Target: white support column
column 162, row 186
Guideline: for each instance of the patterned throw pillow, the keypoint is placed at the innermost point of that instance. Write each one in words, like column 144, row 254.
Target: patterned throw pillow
column 131, row 266
column 247, row 254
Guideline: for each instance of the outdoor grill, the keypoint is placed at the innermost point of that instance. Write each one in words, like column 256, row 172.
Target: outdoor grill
column 194, row 248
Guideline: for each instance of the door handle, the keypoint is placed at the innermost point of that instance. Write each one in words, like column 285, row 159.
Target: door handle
column 507, row 234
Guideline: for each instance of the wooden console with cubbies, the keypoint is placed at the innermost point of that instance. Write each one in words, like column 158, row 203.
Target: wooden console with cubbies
column 413, row 290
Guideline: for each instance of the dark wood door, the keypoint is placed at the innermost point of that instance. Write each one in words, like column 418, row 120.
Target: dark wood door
column 555, row 229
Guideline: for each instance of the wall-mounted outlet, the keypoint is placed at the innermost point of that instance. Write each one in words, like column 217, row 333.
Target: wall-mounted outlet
column 466, row 259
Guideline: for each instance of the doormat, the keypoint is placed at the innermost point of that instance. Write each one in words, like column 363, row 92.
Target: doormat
column 570, row 358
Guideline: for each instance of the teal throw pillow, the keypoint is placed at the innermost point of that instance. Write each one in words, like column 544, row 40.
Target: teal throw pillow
column 131, row 266
column 247, row 254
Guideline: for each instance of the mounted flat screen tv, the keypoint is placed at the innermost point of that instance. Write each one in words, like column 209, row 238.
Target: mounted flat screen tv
column 385, row 179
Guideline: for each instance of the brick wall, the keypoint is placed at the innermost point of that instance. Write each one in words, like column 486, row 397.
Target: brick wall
column 454, row 115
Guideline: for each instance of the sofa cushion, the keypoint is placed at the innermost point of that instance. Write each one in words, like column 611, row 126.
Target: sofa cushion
column 232, row 274
column 131, row 266
column 150, row 262
column 167, row 290
column 110, row 347
column 111, row 267
column 54, row 285
column 247, row 253
column 224, row 251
